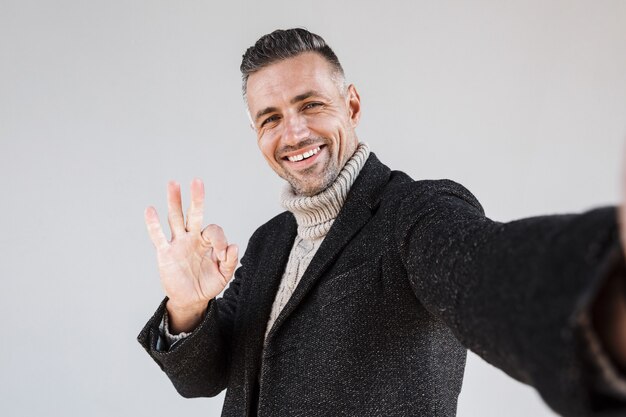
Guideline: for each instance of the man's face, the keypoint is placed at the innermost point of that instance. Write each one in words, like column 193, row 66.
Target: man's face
column 304, row 122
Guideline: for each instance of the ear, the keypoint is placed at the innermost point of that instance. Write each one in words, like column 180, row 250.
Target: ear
column 354, row 104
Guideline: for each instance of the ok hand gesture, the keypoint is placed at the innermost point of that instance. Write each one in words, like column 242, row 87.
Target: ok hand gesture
column 196, row 264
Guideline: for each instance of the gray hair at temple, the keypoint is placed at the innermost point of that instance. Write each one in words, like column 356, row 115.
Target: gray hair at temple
column 283, row 44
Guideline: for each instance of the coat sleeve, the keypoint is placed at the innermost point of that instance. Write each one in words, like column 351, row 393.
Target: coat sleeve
column 518, row 294
column 199, row 364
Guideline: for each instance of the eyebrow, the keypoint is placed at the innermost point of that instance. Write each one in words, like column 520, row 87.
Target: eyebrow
column 296, row 99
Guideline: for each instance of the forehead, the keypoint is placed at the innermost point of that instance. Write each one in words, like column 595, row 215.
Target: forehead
column 278, row 83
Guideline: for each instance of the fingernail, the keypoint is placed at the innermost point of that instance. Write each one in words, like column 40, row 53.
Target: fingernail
column 222, row 255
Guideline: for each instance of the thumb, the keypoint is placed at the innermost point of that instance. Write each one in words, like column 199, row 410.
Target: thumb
column 227, row 267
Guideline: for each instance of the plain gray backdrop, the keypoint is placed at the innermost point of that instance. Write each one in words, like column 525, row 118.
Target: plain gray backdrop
column 101, row 102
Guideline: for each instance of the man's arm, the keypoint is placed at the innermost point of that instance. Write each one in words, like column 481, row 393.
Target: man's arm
column 199, row 364
column 515, row 293
column 194, row 267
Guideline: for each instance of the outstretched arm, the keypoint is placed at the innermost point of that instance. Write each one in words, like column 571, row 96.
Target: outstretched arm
column 516, row 293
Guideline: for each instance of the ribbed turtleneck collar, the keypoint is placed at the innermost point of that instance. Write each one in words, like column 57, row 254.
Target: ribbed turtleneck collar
column 315, row 214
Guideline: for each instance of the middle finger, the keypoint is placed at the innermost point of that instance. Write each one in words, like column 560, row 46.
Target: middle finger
column 175, row 210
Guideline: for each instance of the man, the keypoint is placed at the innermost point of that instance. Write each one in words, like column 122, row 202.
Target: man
column 362, row 297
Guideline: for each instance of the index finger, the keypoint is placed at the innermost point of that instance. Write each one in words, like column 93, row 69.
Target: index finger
column 154, row 228
column 175, row 210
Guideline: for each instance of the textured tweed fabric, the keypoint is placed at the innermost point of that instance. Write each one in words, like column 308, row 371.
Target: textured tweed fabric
column 410, row 274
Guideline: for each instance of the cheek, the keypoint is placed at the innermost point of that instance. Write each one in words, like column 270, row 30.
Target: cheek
column 348, row 144
column 268, row 148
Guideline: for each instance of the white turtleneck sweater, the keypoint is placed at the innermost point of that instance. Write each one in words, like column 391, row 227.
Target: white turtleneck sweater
column 315, row 216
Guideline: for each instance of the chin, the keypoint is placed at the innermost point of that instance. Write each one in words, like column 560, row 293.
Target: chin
column 305, row 191
column 312, row 183
column 308, row 189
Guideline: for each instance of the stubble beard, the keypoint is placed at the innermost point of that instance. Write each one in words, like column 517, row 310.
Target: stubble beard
column 311, row 184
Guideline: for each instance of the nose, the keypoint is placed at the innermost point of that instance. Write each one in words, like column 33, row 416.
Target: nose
column 295, row 129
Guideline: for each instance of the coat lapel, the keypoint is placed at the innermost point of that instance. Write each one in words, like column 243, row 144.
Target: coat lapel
column 268, row 276
column 260, row 296
column 355, row 213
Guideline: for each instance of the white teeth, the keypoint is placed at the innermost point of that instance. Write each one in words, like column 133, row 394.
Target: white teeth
column 305, row 155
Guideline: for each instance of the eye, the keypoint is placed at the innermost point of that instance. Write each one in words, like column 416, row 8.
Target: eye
column 312, row 105
column 270, row 119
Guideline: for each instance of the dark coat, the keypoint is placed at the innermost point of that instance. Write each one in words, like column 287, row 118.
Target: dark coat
column 410, row 275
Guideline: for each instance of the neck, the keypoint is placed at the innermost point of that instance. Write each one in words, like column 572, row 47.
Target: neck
column 316, row 214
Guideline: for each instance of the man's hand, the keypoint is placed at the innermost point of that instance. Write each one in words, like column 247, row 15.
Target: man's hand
column 609, row 310
column 195, row 265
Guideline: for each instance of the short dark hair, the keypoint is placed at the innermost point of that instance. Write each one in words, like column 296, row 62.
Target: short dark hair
column 283, row 44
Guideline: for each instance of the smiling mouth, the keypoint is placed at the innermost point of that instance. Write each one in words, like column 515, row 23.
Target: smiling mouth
column 303, row 156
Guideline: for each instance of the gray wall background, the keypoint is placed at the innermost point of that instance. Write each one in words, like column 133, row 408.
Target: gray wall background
column 101, row 102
